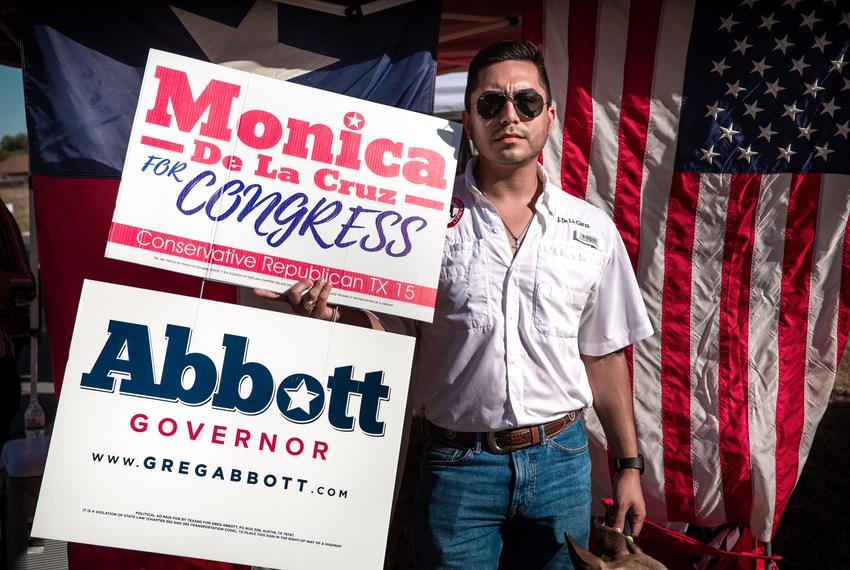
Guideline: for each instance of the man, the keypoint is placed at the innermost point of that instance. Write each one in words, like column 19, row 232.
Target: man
column 535, row 303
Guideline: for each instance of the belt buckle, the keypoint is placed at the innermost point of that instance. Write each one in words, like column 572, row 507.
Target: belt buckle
column 494, row 447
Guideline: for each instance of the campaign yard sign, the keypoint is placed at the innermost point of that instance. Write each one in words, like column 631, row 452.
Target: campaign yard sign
column 204, row 429
column 259, row 182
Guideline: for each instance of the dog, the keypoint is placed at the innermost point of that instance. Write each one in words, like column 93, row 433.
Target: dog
column 619, row 552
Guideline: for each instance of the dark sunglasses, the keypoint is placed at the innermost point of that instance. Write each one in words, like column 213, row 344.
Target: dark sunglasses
column 528, row 102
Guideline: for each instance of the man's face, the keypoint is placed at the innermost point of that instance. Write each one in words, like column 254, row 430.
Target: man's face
column 508, row 138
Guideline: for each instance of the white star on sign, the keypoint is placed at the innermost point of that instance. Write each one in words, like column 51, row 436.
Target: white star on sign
column 844, row 129
column 766, row 133
column 773, row 88
column 720, row 66
column 752, row 110
column 810, row 20
column 746, row 153
column 792, row 3
column 727, row 23
column 354, row 120
column 823, row 151
column 760, row 66
column 846, row 84
column 714, row 110
column 708, row 155
column 786, row 153
column 791, row 111
column 799, row 65
column 783, row 44
column 748, row 3
column 845, row 19
column 253, row 45
column 812, row 88
column 734, row 88
column 742, row 46
column 300, row 397
column 830, row 107
column 728, row 132
column 821, row 42
column 807, row 131
column 838, row 64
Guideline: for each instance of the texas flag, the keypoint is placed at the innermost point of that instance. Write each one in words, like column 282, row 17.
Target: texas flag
column 83, row 64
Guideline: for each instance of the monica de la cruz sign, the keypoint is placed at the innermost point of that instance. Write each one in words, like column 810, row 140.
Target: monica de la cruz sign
column 222, row 432
column 259, row 182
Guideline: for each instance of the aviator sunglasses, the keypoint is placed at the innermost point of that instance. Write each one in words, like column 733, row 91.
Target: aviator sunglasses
column 528, row 103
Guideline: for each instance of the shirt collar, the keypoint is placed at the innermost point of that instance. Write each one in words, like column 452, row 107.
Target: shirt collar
column 544, row 202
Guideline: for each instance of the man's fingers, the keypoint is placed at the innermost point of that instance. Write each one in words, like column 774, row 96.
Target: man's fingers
column 296, row 292
column 307, row 298
column 311, row 297
column 619, row 519
column 637, row 524
column 321, row 310
column 266, row 294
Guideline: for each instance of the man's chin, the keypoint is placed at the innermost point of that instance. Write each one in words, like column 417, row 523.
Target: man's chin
column 514, row 159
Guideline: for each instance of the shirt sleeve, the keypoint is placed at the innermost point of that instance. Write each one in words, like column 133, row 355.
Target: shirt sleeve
column 614, row 315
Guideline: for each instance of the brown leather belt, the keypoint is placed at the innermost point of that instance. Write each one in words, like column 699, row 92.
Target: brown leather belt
column 506, row 440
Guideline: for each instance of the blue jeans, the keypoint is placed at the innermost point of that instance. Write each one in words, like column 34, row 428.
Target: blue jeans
column 470, row 503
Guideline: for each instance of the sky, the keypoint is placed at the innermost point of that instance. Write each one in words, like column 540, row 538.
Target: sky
column 12, row 119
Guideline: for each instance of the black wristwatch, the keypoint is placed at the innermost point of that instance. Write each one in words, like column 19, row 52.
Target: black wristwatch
column 629, row 463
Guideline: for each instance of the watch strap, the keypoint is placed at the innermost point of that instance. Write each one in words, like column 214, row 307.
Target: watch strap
column 621, row 463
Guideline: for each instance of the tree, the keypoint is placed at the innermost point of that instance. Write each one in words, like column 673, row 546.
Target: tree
column 13, row 144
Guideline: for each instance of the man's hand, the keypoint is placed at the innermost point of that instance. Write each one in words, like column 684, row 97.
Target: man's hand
column 310, row 299
column 628, row 501
column 307, row 298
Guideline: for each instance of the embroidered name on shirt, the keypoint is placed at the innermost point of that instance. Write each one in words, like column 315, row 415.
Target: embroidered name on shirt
column 586, row 239
column 572, row 221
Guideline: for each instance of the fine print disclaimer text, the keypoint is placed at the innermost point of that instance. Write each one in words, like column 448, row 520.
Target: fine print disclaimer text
column 211, row 525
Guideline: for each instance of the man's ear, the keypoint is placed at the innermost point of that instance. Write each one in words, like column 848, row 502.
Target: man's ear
column 551, row 112
column 464, row 118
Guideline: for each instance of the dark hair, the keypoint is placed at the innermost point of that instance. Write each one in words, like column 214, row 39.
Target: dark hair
column 510, row 50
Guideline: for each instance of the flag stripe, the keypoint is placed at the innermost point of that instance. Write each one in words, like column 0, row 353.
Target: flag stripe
column 733, row 346
column 821, row 361
column 675, row 335
column 578, row 124
column 793, row 332
column 661, row 136
column 704, row 347
column 844, row 299
column 763, row 368
column 556, row 50
column 607, row 93
column 532, row 22
column 644, row 18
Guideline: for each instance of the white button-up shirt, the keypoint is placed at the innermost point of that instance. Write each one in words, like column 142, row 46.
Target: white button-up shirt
column 503, row 350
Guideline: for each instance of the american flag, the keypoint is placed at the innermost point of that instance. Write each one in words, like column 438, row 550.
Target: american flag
column 716, row 136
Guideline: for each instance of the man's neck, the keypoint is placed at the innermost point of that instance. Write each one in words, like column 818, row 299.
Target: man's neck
column 511, row 183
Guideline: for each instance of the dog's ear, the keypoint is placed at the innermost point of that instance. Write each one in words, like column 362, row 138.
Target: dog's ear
column 583, row 559
column 611, row 542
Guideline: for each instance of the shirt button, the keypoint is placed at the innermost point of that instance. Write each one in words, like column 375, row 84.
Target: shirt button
column 495, row 229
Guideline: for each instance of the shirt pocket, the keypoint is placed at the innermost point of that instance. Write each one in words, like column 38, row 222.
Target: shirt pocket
column 564, row 280
column 462, row 296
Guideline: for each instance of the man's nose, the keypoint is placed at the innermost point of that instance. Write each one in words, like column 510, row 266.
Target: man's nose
column 509, row 114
